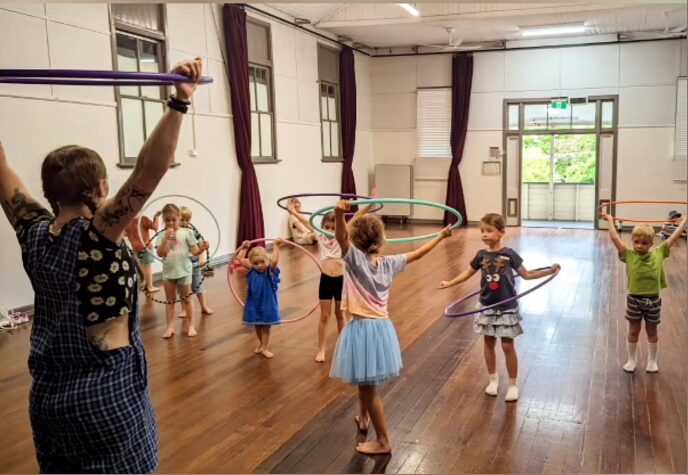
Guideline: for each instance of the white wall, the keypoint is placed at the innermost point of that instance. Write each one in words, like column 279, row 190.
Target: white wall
column 78, row 36
column 642, row 74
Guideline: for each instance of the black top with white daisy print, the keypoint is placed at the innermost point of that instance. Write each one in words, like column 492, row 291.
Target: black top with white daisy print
column 106, row 277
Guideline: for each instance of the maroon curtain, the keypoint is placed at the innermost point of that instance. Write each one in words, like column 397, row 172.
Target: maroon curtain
column 250, row 209
column 347, row 96
column 462, row 77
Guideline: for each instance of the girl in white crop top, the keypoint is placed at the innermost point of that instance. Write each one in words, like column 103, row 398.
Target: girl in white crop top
column 332, row 277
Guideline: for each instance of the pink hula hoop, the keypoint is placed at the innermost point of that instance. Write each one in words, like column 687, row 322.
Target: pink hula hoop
column 230, row 271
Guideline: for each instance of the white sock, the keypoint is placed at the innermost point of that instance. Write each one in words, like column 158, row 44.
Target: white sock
column 652, row 366
column 631, row 348
column 491, row 388
column 512, row 392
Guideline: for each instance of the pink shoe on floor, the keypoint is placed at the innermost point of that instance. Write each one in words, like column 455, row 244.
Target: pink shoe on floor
column 19, row 317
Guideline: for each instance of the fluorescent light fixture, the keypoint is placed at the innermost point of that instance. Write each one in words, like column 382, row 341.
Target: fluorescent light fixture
column 409, row 8
column 553, row 30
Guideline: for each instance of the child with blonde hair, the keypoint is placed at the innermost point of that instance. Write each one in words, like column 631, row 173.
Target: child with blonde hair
column 301, row 233
column 261, row 309
column 646, row 279
column 367, row 352
column 497, row 265
column 197, row 263
column 174, row 247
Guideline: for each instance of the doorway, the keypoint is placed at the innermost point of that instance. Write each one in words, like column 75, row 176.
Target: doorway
column 558, row 180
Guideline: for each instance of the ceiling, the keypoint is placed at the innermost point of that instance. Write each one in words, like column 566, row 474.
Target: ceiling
column 389, row 26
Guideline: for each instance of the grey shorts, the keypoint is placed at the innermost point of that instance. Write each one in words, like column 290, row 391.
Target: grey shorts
column 640, row 308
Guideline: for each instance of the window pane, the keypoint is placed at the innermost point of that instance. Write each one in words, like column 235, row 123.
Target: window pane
column 535, row 116
column 332, row 107
column 150, row 63
column 513, row 116
column 327, row 150
column 323, row 107
column 559, row 118
column 335, row 139
column 252, row 91
column 583, row 116
column 266, row 135
column 262, row 93
column 153, row 111
column 126, row 61
column 132, row 126
column 607, row 114
column 255, row 135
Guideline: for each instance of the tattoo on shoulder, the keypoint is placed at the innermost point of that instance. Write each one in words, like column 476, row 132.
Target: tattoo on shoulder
column 129, row 200
column 19, row 206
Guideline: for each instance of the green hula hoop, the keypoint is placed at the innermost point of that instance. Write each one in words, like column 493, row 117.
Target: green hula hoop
column 432, row 204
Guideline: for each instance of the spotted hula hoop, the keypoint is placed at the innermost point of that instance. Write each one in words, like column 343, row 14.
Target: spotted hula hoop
column 450, row 310
column 614, row 203
column 84, row 77
column 231, row 270
column 459, row 218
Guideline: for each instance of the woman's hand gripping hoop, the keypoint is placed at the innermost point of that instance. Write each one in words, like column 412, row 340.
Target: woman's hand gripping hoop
column 605, row 207
column 450, row 310
column 448, row 209
column 231, row 270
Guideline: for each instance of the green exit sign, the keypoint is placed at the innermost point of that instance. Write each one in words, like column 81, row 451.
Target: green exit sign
column 560, row 104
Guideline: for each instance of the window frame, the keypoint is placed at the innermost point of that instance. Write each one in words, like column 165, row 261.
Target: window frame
column 340, row 155
column 140, row 35
column 268, row 66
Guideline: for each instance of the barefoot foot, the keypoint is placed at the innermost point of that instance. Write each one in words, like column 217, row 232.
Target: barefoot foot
column 169, row 333
column 258, row 350
column 374, row 448
column 207, row 311
column 192, row 332
column 152, row 290
column 320, row 357
column 182, row 315
column 267, row 354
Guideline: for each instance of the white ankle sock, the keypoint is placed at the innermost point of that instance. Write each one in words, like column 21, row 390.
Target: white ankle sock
column 512, row 392
column 652, row 366
column 491, row 388
column 631, row 349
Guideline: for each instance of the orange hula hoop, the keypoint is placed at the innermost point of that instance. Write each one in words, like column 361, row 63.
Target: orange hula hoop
column 612, row 203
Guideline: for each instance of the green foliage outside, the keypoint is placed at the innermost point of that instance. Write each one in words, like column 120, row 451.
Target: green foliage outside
column 574, row 158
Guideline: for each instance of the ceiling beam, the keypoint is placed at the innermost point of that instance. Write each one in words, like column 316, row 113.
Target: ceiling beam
column 408, row 20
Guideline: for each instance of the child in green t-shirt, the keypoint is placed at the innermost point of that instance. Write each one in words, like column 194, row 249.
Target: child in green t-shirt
column 645, row 271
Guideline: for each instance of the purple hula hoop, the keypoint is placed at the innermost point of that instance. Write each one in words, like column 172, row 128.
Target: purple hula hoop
column 448, row 312
column 84, row 77
column 309, row 195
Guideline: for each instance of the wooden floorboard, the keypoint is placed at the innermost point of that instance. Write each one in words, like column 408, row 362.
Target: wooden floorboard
column 221, row 409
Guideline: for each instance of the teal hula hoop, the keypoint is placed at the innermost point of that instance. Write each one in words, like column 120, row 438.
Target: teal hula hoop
column 432, row 204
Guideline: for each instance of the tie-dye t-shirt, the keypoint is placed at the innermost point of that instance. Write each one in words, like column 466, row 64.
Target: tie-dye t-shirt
column 366, row 287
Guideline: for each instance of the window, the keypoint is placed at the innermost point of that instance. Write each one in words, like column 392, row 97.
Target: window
column 681, row 133
column 139, row 43
column 328, row 75
column 535, row 116
column 260, row 89
column 434, row 123
column 607, row 114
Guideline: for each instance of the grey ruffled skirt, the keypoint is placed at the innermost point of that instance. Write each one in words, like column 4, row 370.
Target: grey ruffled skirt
column 504, row 323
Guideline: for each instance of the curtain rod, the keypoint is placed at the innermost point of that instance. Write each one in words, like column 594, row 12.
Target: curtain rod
column 491, row 50
column 290, row 23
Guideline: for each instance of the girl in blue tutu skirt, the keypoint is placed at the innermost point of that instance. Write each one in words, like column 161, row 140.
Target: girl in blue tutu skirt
column 367, row 352
column 262, row 306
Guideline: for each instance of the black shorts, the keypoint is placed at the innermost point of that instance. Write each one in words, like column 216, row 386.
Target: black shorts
column 330, row 287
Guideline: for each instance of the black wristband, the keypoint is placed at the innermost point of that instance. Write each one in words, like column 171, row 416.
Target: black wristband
column 178, row 105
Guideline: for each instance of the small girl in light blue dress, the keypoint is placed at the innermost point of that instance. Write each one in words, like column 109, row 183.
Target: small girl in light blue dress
column 262, row 305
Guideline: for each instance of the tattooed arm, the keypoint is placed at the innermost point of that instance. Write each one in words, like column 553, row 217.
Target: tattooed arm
column 153, row 161
column 14, row 196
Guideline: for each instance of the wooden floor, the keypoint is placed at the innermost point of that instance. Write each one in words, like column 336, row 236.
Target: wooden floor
column 221, row 409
